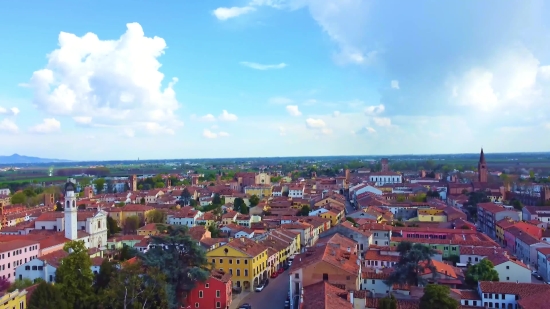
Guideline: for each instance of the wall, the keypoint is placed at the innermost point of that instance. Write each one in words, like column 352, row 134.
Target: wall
column 512, row 272
column 10, row 260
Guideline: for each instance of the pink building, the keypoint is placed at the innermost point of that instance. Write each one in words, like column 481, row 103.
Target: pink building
column 14, row 253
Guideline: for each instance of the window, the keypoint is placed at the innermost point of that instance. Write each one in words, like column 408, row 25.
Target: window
column 196, row 305
column 245, row 261
column 246, row 272
column 200, row 294
column 206, row 285
column 218, row 293
column 238, row 262
column 221, row 261
column 507, row 267
column 218, row 304
column 238, row 272
column 325, row 277
column 297, row 276
column 507, row 278
column 230, row 261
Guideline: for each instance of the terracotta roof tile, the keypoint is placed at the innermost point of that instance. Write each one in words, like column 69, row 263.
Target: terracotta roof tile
column 323, row 295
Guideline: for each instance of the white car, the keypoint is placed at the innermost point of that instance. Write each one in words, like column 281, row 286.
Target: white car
column 259, row 288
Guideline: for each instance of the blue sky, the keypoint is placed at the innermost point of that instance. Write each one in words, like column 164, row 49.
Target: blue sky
column 195, row 79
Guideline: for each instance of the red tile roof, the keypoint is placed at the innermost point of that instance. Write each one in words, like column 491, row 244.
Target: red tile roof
column 324, row 295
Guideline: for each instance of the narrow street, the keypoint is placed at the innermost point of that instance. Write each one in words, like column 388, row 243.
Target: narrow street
column 272, row 297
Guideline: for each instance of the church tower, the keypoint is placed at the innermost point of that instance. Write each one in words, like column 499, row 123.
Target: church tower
column 71, row 228
column 482, row 168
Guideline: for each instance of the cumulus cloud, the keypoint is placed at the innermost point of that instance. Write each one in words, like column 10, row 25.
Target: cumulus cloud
column 211, row 135
column 280, row 100
column 8, row 126
column 374, row 110
column 394, row 84
column 48, row 125
column 14, row 111
column 226, row 116
column 382, row 122
column 232, row 12
column 293, row 110
column 512, row 78
column 83, row 120
column 117, row 82
column 208, row 117
column 315, row 123
column 263, row 67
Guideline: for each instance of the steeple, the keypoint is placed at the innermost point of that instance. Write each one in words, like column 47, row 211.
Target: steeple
column 71, row 228
column 482, row 157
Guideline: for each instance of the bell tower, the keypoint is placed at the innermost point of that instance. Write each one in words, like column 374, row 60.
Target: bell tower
column 482, row 168
column 70, row 210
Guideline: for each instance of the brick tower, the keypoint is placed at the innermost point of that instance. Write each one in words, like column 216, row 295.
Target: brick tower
column 482, row 168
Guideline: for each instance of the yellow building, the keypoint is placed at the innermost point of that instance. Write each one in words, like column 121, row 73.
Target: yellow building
column 244, row 259
column 334, row 216
column 150, row 229
column 121, row 213
column 16, row 299
column 259, row 190
column 432, row 215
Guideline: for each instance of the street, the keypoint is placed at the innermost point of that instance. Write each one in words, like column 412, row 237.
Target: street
column 272, row 297
column 349, row 207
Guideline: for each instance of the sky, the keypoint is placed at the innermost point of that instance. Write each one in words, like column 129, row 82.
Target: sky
column 121, row 80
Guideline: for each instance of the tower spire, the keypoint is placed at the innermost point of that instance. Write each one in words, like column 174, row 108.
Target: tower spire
column 482, row 156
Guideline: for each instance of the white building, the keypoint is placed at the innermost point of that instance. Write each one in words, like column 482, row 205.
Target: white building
column 5, row 191
column 184, row 217
column 296, row 191
column 77, row 225
column 383, row 178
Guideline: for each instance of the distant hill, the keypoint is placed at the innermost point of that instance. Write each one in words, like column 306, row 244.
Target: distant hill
column 18, row 159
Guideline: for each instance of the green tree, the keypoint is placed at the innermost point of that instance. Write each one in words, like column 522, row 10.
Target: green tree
column 438, row 297
column 304, row 211
column 112, row 227
column 47, row 296
column 475, row 198
column 159, row 185
column 254, row 200
column 19, row 198
column 185, row 196
column 132, row 288
column 20, row 284
column 182, row 268
column 388, row 302
column 216, row 200
column 74, row 275
column 517, row 204
column 238, row 204
column 414, row 259
column 214, row 231
column 106, row 271
column 99, row 183
column 482, row 271
column 131, row 224
column 142, row 201
column 156, row 216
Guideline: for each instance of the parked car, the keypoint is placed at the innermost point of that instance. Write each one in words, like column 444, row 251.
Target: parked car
column 286, row 266
column 260, row 288
column 536, row 275
column 245, row 306
column 281, row 270
column 274, row 274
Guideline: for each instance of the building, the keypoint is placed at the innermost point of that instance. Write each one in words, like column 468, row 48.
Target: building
column 16, row 299
column 382, row 178
column 244, row 259
column 43, row 267
column 488, row 214
column 214, row 293
column 332, row 263
column 119, row 214
column 260, row 191
column 482, row 171
column 508, row 294
column 296, row 191
column 14, row 253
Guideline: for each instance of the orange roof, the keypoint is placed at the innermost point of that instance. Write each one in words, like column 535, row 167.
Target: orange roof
column 324, row 295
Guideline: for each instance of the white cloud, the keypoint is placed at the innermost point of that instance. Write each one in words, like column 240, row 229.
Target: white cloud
column 394, row 84
column 382, row 122
column 211, row 135
column 511, row 79
column 370, row 130
column 127, row 132
column 282, row 131
column 263, row 67
column 374, row 110
column 14, row 111
column 83, row 120
column 315, row 123
column 280, row 100
column 208, row 117
column 117, row 82
column 293, row 110
column 232, row 12
column 155, row 128
column 336, row 114
column 226, row 116
column 8, row 126
column 48, row 125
